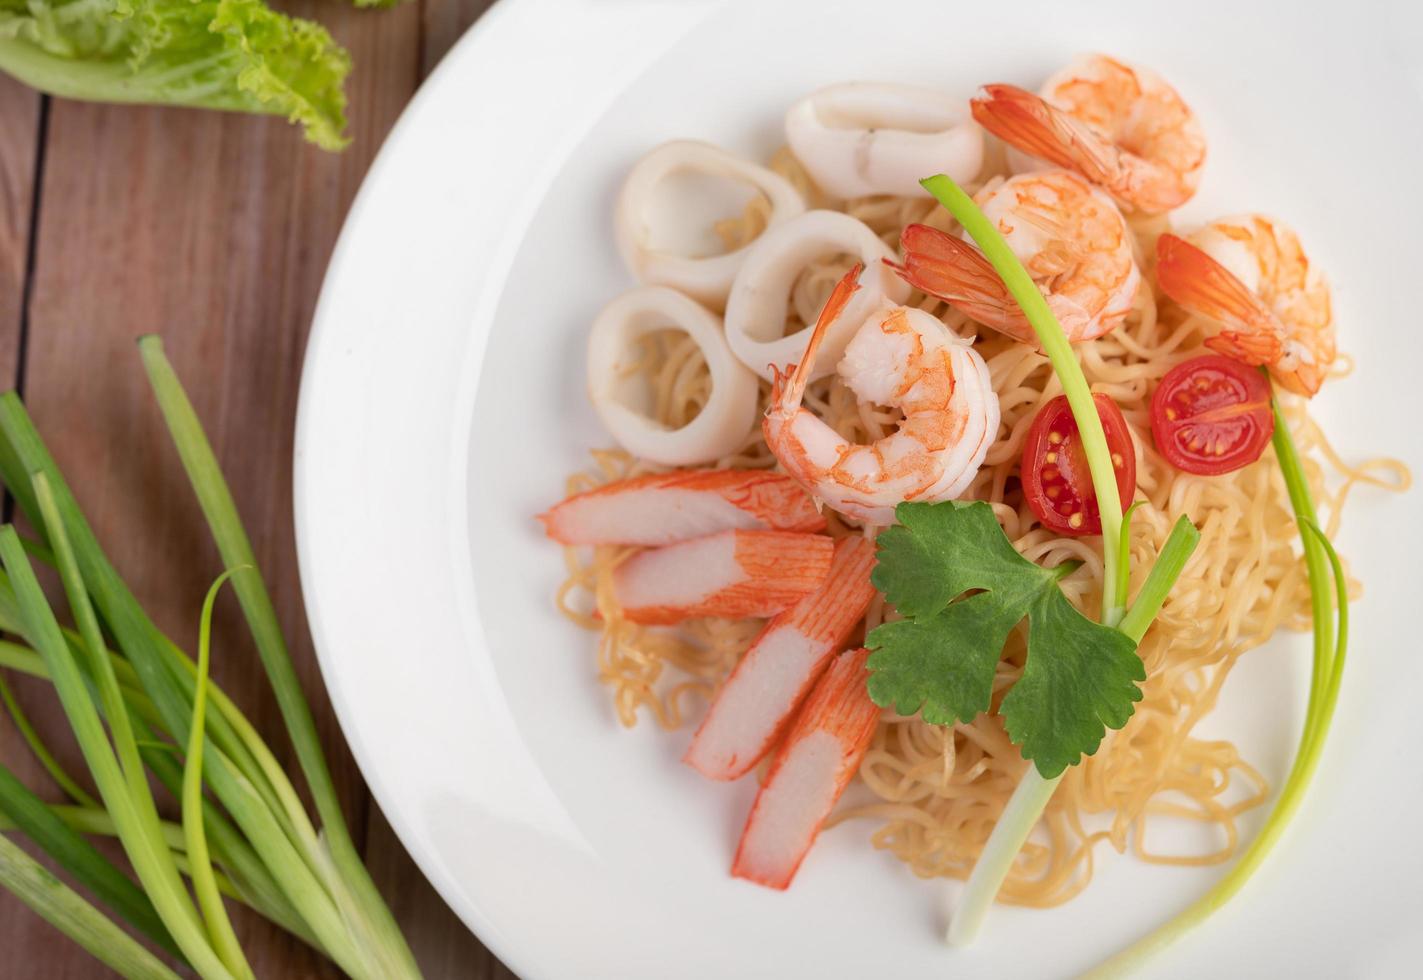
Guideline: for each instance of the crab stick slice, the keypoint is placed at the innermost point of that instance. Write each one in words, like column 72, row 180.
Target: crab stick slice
column 665, row 508
column 821, row 753
column 732, row 574
column 757, row 702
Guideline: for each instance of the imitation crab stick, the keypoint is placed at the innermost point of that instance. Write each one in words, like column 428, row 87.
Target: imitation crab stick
column 665, row 508
column 780, row 668
column 821, row 753
column 732, row 574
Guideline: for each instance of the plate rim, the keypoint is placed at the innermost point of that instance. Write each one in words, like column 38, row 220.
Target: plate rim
column 484, row 34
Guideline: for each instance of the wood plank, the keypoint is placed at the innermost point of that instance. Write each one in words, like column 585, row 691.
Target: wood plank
column 19, row 107
column 445, row 21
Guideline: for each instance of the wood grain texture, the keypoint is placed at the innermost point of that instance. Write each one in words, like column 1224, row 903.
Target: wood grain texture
column 213, row 230
column 19, row 139
column 19, row 133
column 444, row 22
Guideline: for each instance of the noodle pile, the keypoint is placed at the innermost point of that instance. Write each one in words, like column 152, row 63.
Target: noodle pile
column 937, row 791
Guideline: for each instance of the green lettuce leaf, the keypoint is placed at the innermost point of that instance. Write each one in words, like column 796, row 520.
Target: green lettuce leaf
column 235, row 55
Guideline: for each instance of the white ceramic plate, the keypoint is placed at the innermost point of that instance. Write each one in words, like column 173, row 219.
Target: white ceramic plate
column 443, row 404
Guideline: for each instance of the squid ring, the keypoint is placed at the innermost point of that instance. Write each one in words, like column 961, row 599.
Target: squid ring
column 706, row 278
column 622, row 401
column 864, row 138
column 756, row 309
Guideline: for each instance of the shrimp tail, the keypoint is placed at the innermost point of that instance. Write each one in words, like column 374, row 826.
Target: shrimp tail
column 1251, row 333
column 1039, row 129
column 1303, row 378
column 950, row 268
column 788, row 386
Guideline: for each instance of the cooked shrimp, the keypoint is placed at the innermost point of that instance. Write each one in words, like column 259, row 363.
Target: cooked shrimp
column 1121, row 127
column 902, row 358
column 1070, row 237
column 1250, row 274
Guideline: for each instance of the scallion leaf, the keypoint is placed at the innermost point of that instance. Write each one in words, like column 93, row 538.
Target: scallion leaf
column 352, row 884
column 1064, row 364
column 134, row 812
column 71, row 914
column 290, row 870
column 1328, row 589
column 220, row 931
column 40, row 751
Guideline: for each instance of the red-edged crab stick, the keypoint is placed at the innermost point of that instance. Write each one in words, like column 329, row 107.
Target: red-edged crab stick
column 665, row 508
column 734, row 574
column 758, row 701
column 820, row 755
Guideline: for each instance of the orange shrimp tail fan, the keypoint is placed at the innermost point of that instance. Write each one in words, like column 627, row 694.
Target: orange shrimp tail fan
column 1305, row 380
column 1026, row 121
column 1250, row 333
column 792, row 382
column 950, row 268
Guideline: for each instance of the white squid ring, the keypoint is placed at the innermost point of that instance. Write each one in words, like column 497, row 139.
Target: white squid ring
column 705, row 278
column 756, row 309
column 724, row 422
column 863, row 138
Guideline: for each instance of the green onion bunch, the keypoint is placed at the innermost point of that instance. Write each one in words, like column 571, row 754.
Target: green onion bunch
column 144, row 712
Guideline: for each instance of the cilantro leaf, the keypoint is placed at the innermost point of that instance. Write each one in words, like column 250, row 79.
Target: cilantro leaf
column 1080, row 677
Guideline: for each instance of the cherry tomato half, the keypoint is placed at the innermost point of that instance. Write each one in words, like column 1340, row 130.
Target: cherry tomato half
column 1211, row 415
column 1055, row 476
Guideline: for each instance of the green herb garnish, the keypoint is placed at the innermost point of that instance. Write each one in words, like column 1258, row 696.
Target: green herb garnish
column 144, row 713
column 1059, row 353
column 1036, row 788
column 204, row 877
column 1328, row 590
column 1080, row 677
column 73, row 915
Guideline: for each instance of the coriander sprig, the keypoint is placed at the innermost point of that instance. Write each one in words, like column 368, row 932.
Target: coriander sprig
column 1036, row 788
column 1080, row 677
column 1033, row 792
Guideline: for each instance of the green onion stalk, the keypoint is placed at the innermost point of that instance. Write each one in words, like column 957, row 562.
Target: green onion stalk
column 141, row 709
column 73, row 915
column 1328, row 587
column 1034, row 790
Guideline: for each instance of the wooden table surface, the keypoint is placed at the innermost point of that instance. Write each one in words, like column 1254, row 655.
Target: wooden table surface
column 213, row 230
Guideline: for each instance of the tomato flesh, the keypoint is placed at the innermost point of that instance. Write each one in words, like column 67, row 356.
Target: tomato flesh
column 1056, row 479
column 1211, row 415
